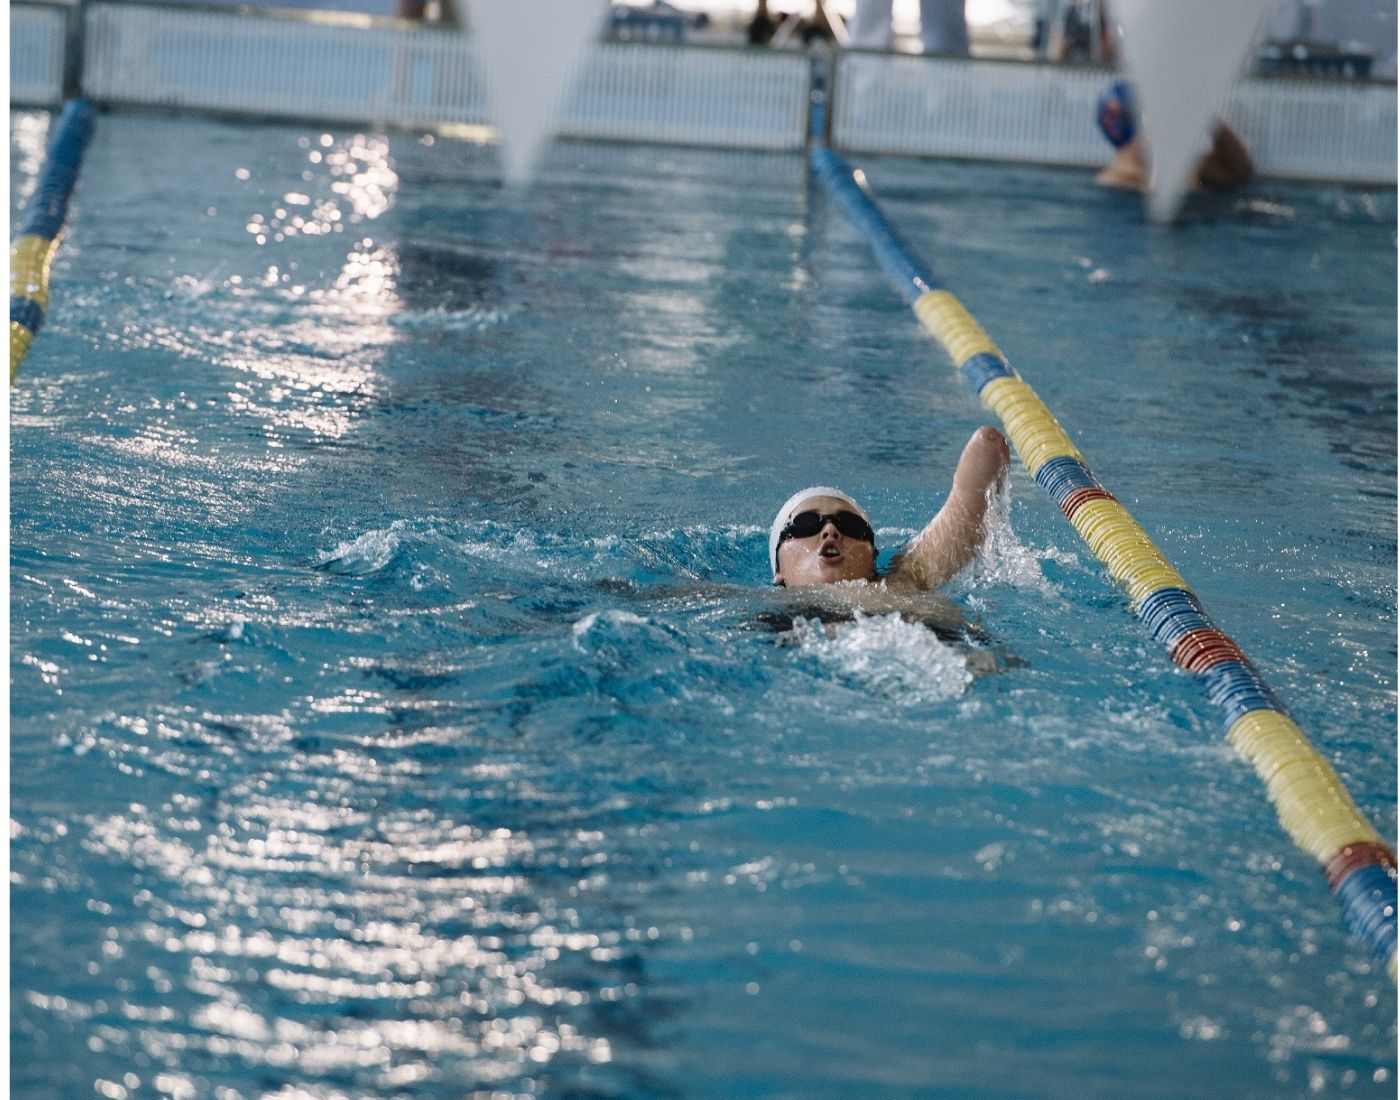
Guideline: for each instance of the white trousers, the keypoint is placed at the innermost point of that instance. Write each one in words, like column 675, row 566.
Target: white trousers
column 942, row 25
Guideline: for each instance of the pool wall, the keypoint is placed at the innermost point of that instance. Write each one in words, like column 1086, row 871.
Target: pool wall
column 350, row 68
column 1313, row 805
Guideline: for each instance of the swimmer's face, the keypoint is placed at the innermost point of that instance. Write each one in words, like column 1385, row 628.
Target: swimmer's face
column 826, row 557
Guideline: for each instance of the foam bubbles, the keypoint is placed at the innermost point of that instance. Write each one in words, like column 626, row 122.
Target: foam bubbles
column 471, row 319
column 612, row 617
column 1003, row 559
column 903, row 662
column 369, row 553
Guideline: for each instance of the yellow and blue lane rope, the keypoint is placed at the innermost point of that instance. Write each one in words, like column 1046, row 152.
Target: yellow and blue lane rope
column 1312, row 804
column 41, row 225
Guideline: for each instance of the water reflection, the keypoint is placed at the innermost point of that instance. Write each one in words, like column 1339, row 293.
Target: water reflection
column 29, row 138
column 389, row 769
column 334, row 925
column 446, row 277
column 1295, row 346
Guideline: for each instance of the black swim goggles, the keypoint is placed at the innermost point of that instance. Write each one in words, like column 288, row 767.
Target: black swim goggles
column 806, row 524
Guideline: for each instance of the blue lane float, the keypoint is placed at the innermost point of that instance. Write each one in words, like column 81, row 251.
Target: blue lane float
column 41, row 226
column 1367, row 895
column 983, row 368
column 1312, row 804
column 908, row 273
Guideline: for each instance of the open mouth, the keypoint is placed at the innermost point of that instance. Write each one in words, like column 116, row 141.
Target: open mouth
column 831, row 552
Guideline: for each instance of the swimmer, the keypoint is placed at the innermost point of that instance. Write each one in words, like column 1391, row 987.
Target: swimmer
column 821, row 550
column 821, row 536
column 1226, row 165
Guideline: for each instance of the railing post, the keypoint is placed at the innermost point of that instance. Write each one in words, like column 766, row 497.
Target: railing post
column 75, row 36
column 821, row 84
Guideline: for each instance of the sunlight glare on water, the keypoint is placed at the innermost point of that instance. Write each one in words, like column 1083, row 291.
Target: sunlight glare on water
column 400, row 706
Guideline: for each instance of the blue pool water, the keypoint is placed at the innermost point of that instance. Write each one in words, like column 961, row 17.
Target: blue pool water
column 393, row 709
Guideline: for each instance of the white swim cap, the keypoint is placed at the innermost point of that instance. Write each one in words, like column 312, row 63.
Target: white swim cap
column 785, row 513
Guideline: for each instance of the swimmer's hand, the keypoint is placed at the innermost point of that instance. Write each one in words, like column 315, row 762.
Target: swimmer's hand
column 952, row 537
column 983, row 464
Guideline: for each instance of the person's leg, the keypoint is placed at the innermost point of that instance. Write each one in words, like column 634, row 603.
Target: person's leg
column 943, row 26
column 872, row 27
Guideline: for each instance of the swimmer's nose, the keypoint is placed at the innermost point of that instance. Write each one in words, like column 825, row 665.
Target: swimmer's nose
column 829, row 530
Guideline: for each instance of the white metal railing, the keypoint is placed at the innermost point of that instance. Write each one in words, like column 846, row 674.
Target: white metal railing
column 227, row 61
column 733, row 98
column 371, row 71
column 925, row 106
column 962, row 108
column 36, row 54
column 1312, row 129
column 340, row 69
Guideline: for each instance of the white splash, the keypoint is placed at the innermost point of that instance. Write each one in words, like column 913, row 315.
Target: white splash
column 598, row 632
column 612, row 617
column 901, row 661
column 368, row 553
column 1003, row 558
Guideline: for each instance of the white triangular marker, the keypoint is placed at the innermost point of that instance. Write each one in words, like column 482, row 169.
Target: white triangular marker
column 1182, row 57
column 530, row 53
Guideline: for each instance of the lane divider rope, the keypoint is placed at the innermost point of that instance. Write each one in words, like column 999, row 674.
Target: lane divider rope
column 1312, row 804
column 41, row 226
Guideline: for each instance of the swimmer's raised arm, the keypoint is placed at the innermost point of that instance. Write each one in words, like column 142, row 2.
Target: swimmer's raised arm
column 952, row 537
column 822, row 536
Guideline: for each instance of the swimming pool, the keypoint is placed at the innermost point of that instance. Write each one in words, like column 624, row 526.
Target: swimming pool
column 392, row 712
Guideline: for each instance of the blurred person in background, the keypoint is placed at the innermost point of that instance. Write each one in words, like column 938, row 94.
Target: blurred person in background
column 821, row 25
column 1225, row 165
column 1074, row 30
column 762, row 25
column 444, row 12
column 942, row 26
